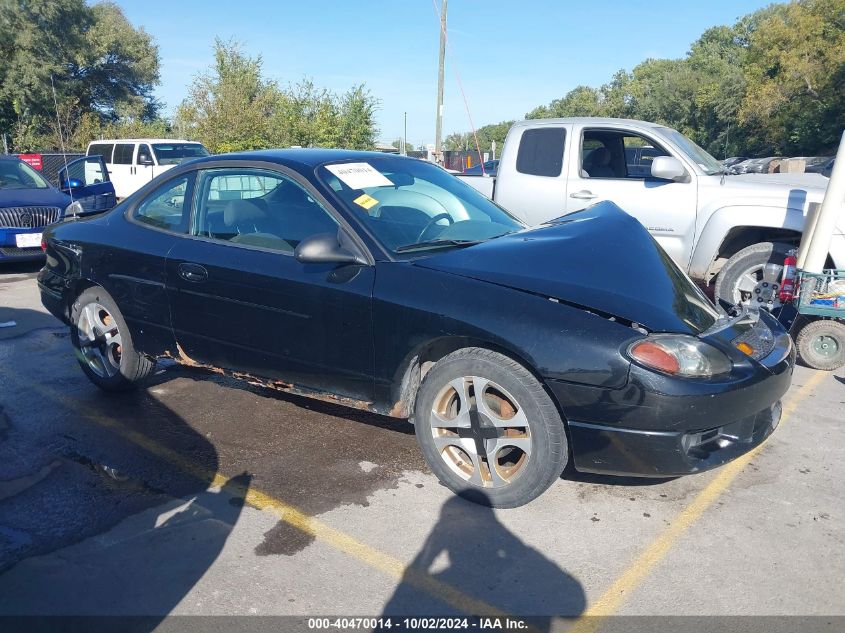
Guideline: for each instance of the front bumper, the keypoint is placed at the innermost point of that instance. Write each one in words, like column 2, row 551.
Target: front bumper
column 615, row 451
column 661, row 426
column 11, row 252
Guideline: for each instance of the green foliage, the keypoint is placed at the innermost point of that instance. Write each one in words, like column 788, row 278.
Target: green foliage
column 409, row 147
column 103, row 69
column 231, row 107
column 485, row 135
column 771, row 84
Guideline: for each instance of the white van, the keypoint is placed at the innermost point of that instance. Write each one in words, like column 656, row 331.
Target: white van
column 133, row 162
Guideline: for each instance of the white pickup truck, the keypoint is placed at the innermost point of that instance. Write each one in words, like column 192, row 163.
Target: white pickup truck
column 715, row 226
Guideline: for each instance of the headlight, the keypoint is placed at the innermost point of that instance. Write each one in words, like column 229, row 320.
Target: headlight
column 680, row 355
column 74, row 208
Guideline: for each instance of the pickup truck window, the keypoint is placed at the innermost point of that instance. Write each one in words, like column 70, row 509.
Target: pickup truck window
column 617, row 154
column 541, row 151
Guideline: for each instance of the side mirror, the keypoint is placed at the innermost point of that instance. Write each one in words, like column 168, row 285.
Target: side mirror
column 668, row 168
column 145, row 159
column 328, row 248
column 72, row 183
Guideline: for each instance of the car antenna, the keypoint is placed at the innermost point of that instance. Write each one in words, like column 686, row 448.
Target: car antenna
column 61, row 137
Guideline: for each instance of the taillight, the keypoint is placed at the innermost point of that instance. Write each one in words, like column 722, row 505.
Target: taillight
column 787, row 284
column 43, row 244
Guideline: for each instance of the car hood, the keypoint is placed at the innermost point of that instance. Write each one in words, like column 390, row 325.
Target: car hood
column 600, row 259
column 33, row 198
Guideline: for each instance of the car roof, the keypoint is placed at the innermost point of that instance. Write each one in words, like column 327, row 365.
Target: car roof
column 10, row 157
column 300, row 158
column 142, row 140
column 588, row 120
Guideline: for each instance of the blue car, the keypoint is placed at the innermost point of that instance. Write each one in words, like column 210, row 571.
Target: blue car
column 29, row 203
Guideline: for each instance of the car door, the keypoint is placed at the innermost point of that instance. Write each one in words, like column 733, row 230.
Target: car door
column 240, row 300
column 86, row 180
column 122, row 169
column 144, row 165
column 615, row 164
column 133, row 265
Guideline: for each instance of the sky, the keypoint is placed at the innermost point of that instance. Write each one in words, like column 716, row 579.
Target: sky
column 510, row 56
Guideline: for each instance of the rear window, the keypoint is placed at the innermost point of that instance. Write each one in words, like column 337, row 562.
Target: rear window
column 175, row 153
column 123, row 153
column 541, row 151
column 101, row 149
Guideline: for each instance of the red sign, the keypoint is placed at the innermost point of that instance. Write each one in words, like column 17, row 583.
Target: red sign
column 33, row 160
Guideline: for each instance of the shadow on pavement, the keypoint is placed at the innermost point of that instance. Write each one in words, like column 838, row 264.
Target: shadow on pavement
column 471, row 551
column 17, row 268
column 93, row 520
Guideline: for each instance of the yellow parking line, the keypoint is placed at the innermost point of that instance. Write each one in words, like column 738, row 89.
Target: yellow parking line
column 644, row 564
column 607, row 604
column 388, row 565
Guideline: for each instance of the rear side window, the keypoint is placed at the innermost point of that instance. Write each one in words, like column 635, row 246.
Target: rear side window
column 541, row 151
column 123, row 153
column 101, row 149
column 169, row 206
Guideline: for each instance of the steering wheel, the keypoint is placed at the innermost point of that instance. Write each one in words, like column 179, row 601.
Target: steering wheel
column 433, row 221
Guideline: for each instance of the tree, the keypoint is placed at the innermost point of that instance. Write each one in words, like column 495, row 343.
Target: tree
column 795, row 71
column 769, row 84
column 98, row 62
column 232, row 107
column 229, row 106
column 409, row 147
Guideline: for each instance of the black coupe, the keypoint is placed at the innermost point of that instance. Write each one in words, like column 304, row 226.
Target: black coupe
column 385, row 283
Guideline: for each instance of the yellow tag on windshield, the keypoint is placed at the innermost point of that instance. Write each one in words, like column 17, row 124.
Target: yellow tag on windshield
column 366, row 201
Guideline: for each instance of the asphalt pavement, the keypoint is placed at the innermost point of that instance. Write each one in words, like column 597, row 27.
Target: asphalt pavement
column 199, row 495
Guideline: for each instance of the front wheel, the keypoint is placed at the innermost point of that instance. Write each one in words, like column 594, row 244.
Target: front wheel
column 821, row 344
column 103, row 343
column 488, row 429
column 753, row 275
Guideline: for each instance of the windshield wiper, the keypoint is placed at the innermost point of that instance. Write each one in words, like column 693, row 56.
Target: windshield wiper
column 435, row 244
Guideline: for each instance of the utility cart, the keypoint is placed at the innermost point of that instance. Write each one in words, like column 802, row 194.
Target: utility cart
column 812, row 297
column 817, row 318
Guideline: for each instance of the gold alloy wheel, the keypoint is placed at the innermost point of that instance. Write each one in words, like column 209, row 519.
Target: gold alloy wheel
column 481, row 432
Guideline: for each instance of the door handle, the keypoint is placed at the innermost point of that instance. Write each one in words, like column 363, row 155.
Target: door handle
column 583, row 195
column 193, row 272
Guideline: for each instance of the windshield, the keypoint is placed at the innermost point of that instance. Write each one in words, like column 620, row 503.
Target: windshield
column 16, row 174
column 175, row 153
column 705, row 161
column 413, row 205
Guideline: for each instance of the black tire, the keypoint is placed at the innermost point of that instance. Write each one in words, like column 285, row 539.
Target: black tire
column 128, row 366
column 821, row 344
column 749, row 258
column 545, row 436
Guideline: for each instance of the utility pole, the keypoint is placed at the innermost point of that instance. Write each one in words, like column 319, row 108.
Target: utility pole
column 405, row 137
column 438, row 128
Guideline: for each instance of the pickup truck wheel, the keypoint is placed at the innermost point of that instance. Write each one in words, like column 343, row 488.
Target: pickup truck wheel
column 103, row 343
column 745, row 279
column 821, row 344
column 488, row 429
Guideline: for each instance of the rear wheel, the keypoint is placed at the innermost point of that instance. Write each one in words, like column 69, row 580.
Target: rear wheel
column 103, row 344
column 821, row 344
column 488, row 429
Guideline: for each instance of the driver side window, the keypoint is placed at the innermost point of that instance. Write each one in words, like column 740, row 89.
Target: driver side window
column 169, row 206
column 258, row 208
column 618, row 155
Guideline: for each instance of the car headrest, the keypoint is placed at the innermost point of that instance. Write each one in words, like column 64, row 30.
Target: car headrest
column 599, row 157
column 241, row 211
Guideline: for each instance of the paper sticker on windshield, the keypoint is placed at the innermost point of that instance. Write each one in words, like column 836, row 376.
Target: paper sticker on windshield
column 368, row 202
column 359, row 175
